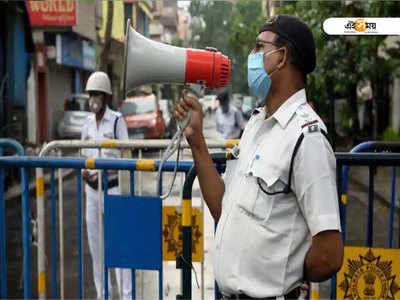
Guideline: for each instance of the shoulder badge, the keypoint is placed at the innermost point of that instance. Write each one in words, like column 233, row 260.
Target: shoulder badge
column 311, row 126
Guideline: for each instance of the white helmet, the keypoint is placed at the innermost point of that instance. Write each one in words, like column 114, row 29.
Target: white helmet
column 99, row 81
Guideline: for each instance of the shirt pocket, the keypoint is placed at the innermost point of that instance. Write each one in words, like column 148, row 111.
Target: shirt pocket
column 255, row 202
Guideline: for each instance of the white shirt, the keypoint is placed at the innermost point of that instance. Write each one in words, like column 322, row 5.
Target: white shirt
column 229, row 124
column 105, row 131
column 262, row 240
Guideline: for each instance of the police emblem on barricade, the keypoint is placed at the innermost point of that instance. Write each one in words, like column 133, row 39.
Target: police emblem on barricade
column 369, row 273
column 172, row 233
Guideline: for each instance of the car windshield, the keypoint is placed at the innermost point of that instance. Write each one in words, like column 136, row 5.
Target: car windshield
column 78, row 104
column 138, row 107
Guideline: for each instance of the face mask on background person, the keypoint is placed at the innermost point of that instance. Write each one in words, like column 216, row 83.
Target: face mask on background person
column 95, row 103
column 259, row 81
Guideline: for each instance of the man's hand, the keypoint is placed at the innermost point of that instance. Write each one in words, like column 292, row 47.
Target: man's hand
column 85, row 175
column 194, row 130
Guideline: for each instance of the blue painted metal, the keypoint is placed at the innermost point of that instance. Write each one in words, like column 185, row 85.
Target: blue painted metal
column 160, row 271
column 53, row 234
column 105, row 199
column 17, row 59
column 77, row 81
column 143, row 248
column 363, row 147
column 392, row 208
column 133, row 280
column 5, row 142
column 79, row 163
column 26, row 236
column 132, row 181
column 370, row 215
column 146, row 25
column 12, row 144
column 3, row 257
column 80, row 254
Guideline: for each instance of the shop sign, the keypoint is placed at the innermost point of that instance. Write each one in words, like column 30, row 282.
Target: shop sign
column 75, row 53
column 52, row 12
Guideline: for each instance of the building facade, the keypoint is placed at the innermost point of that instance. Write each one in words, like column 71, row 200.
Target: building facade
column 16, row 46
column 65, row 36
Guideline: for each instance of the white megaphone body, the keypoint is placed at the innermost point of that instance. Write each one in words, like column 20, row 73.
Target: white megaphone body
column 147, row 61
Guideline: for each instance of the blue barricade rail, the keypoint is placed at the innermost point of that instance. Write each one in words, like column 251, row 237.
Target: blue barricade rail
column 26, row 163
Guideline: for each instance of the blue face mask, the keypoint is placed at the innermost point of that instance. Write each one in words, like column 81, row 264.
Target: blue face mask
column 259, row 81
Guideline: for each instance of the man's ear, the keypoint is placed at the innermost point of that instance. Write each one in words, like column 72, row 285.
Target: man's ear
column 284, row 58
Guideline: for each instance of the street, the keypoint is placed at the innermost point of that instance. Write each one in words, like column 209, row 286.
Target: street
column 147, row 281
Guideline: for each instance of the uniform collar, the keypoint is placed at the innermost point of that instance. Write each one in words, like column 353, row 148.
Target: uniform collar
column 107, row 114
column 288, row 108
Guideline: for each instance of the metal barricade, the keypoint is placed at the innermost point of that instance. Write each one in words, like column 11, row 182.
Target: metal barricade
column 9, row 143
column 77, row 164
column 371, row 154
column 78, row 144
column 344, row 161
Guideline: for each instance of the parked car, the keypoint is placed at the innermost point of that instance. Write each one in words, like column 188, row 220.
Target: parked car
column 167, row 109
column 143, row 117
column 76, row 111
column 249, row 104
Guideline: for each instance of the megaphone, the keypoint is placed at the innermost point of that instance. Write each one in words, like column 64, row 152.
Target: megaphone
column 147, row 61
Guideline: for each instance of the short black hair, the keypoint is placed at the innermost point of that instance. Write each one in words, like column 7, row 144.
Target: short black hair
column 295, row 59
column 224, row 96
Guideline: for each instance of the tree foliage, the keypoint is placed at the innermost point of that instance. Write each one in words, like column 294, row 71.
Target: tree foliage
column 231, row 27
column 342, row 61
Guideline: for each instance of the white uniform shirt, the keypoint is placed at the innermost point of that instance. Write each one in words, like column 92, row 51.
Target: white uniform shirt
column 262, row 240
column 105, row 131
column 229, row 124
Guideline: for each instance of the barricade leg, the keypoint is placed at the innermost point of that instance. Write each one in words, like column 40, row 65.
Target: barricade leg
column 53, row 234
column 61, row 228
column 79, row 203
column 26, row 238
column 3, row 257
column 392, row 208
column 370, row 218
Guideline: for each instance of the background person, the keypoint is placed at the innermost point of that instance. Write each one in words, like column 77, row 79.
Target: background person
column 228, row 118
column 105, row 124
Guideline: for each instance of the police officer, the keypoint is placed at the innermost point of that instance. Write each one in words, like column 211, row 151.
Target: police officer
column 103, row 124
column 229, row 119
column 277, row 205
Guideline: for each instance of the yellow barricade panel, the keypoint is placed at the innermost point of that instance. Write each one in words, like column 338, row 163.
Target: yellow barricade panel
column 369, row 273
column 172, row 233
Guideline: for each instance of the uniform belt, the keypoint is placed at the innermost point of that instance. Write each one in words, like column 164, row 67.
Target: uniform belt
column 294, row 294
column 110, row 184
